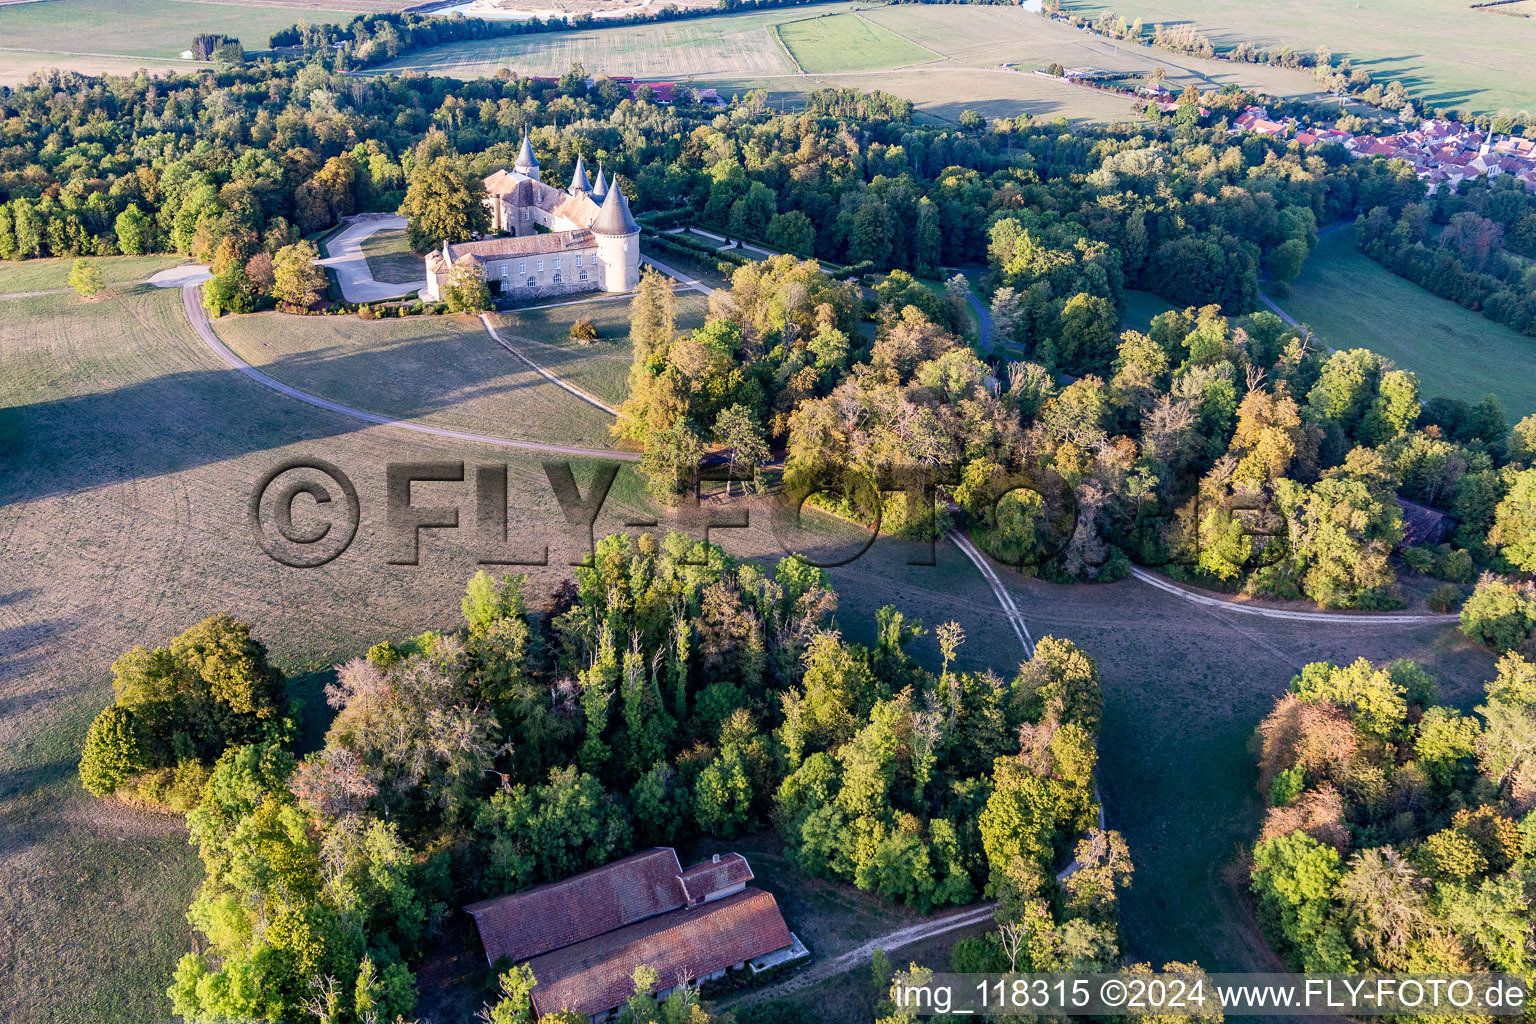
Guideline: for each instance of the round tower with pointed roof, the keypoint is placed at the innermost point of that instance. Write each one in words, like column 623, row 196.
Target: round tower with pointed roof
column 579, row 182
column 527, row 164
column 600, row 188
column 618, row 242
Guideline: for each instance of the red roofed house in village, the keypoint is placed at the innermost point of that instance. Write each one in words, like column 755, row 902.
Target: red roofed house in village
column 583, row 937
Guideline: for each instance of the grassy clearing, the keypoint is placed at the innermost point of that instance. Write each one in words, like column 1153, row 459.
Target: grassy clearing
column 602, row 367
column 44, row 275
column 443, row 370
column 849, row 42
column 1452, row 55
column 1141, row 307
column 390, row 258
column 144, row 28
column 1351, row 301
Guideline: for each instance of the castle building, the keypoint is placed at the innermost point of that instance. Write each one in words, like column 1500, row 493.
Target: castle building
column 550, row 241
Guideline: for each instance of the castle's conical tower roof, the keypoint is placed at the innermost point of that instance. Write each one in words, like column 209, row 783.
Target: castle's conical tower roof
column 614, row 218
column 579, row 182
column 600, row 189
column 526, row 161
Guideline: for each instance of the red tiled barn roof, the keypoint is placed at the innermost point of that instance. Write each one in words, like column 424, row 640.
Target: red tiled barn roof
column 595, row 976
column 712, row 876
column 548, row 917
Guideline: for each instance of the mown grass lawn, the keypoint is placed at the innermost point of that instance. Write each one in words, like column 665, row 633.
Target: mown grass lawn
column 390, row 258
column 600, row 368
column 848, row 42
column 445, row 370
column 1351, row 301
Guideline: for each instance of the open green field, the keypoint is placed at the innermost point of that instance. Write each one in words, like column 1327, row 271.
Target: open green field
column 602, row 367
column 43, row 275
column 849, row 42
column 444, row 370
column 1353, row 302
column 144, row 28
column 390, row 258
column 1447, row 53
column 986, row 36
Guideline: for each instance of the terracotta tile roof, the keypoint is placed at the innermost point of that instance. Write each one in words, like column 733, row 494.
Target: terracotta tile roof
column 524, row 245
column 595, row 976
column 501, row 183
column 548, row 917
column 713, row 875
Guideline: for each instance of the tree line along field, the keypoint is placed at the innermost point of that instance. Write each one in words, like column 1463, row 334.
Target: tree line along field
column 146, row 28
column 1448, row 54
column 849, row 42
column 1352, row 301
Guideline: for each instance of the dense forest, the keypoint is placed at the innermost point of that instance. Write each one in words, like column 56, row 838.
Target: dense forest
column 669, row 693
column 1400, row 835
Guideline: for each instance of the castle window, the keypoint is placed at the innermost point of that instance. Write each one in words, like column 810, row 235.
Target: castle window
column 538, row 265
column 578, row 259
column 557, row 277
column 522, row 266
column 583, row 275
column 531, row 282
column 504, row 269
column 557, row 262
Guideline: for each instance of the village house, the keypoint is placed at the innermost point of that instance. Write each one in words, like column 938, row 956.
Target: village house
column 551, row 241
column 583, row 937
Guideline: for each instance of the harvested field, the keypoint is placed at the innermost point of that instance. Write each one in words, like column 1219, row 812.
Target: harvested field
column 736, row 43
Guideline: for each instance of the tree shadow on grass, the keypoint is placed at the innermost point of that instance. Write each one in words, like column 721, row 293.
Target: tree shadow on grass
column 191, row 418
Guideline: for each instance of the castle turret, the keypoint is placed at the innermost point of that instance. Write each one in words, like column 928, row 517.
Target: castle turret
column 600, row 190
column 618, row 242
column 527, row 164
column 579, row 182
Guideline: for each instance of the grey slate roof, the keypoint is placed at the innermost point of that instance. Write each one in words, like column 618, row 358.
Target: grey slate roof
column 525, row 157
column 579, row 182
column 614, row 218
